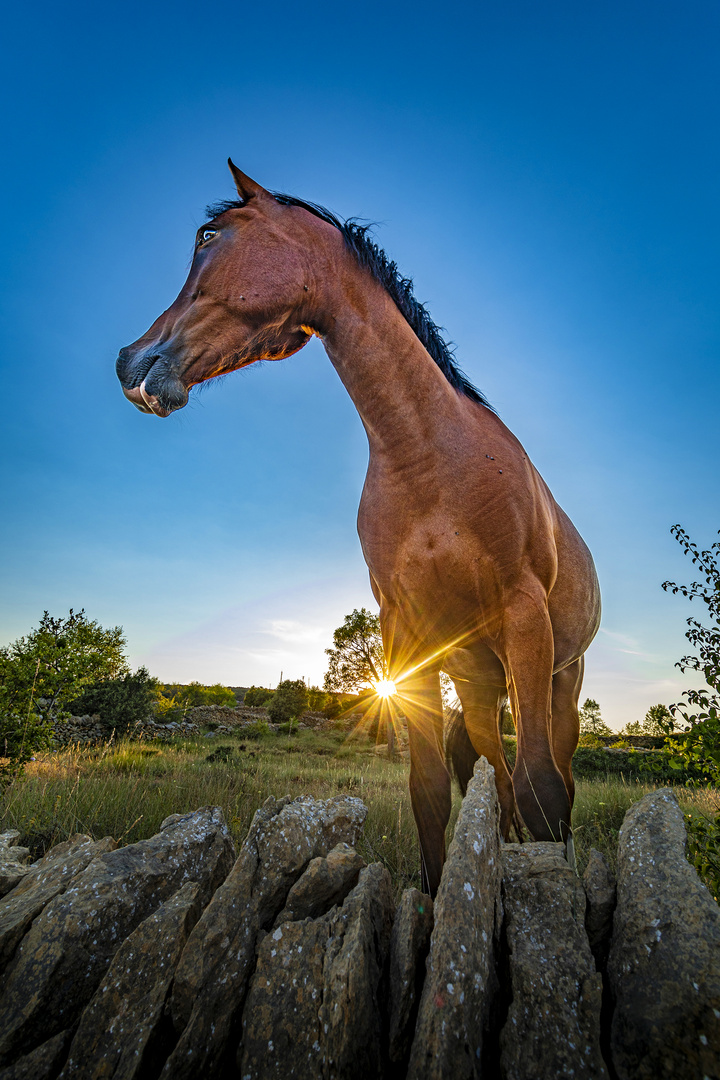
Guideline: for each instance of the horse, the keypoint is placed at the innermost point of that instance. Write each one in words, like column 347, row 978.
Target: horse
column 476, row 569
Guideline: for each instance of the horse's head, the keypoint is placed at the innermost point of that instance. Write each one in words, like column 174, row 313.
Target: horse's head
column 250, row 295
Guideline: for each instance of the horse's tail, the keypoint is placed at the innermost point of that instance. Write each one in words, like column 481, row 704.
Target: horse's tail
column 460, row 754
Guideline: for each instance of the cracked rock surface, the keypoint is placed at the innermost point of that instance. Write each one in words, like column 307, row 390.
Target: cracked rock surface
column 43, row 881
column 408, row 951
column 600, row 893
column 218, row 960
column 315, row 999
column 14, row 861
column 325, row 882
column 117, row 1029
column 664, row 964
column 461, row 982
column 553, row 1023
column 71, row 942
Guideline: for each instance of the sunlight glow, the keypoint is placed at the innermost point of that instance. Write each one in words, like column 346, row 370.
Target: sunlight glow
column 385, row 688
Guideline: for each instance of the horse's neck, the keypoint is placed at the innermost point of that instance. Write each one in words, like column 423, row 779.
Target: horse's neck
column 402, row 397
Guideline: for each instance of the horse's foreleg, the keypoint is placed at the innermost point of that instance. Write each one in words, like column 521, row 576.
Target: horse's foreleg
column 566, row 688
column 429, row 779
column 540, row 790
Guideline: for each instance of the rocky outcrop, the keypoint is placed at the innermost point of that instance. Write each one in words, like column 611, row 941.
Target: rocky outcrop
column 120, row 1029
column 165, row 958
column 408, row 951
column 553, row 1023
column 42, row 1063
column 217, row 962
column 664, row 964
column 44, row 881
column 71, row 943
column 325, row 882
column 600, row 893
column 316, row 998
column 461, row 976
column 14, row 861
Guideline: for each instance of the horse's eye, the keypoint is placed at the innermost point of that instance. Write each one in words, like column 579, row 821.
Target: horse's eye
column 207, row 234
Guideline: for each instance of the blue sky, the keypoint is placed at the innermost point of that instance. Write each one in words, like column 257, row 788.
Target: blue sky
column 547, row 173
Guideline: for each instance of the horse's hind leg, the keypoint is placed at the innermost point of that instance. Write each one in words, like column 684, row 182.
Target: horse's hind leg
column 566, row 687
column 540, row 790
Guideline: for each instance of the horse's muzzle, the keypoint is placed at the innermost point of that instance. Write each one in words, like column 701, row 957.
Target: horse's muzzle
column 150, row 382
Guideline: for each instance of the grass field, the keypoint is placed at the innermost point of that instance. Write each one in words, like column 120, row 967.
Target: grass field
column 125, row 790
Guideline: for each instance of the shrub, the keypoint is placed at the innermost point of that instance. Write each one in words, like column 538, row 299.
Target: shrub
column 40, row 674
column 704, row 848
column 257, row 730
column 589, row 740
column 173, row 699
column 317, row 699
column 120, row 703
column 256, row 696
column 590, row 763
column 222, row 754
column 21, row 737
column 289, row 701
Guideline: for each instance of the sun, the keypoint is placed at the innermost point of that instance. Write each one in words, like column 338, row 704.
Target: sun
column 385, row 688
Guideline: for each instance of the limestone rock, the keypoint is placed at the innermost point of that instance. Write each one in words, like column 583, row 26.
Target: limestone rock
column 600, row 892
column 212, row 976
column 325, row 882
column 44, row 880
column 408, row 949
column 14, row 861
column 119, row 1029
column 553, row 1023
column 664, row 964
column 313, row 1010
column 460, row 982
column 72, row 941
column 43, row 1063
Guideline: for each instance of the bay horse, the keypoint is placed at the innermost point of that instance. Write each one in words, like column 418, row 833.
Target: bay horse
column 476, row 569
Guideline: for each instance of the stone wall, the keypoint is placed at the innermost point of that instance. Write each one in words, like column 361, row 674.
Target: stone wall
column 220, row 719
column 174, row 958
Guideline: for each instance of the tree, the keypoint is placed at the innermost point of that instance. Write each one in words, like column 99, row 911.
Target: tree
column 358, row 659
column 120, row 703
column 357, row 664
column 698, row 749
column 40, row 674
column 289, row 701
column 658, row 721
column 591, row 721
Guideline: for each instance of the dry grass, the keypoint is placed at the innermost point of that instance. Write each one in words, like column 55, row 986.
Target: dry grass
column 125, row 790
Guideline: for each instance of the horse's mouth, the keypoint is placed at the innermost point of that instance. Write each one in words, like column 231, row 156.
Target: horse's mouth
column 157, row 389
column 147, row 403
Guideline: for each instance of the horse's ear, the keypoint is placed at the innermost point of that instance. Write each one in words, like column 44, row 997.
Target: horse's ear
column 246, row 188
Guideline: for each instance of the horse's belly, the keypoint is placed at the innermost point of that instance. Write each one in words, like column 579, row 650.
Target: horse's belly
column 440, row 591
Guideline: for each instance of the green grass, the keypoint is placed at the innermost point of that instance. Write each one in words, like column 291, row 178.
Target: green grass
column 125, row 790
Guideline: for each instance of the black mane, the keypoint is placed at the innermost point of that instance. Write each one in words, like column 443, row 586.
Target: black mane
column 385, row 271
